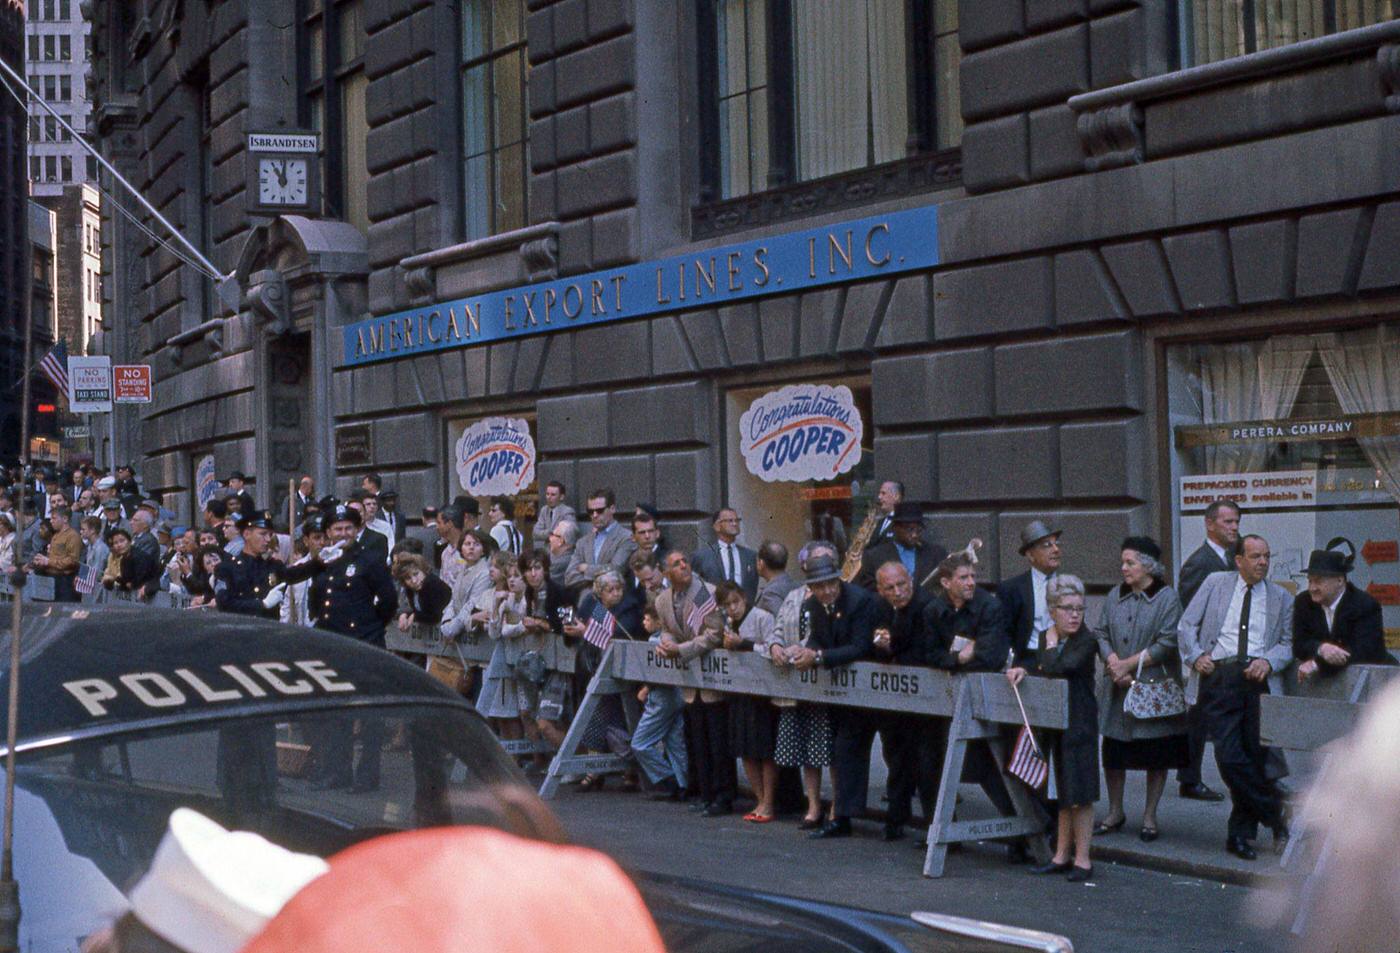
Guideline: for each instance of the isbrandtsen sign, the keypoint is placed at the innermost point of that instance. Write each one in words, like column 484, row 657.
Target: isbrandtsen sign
column 282, row 142
column 90, row 384
column 131, row 383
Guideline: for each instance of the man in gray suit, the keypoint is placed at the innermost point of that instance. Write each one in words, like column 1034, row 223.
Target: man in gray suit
column 607, row 546
column 553, row 510
column 1235, row 633
column 725, row 560
column 1216, row 554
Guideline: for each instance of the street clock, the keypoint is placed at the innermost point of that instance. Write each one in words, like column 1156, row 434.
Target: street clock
column 283, row 173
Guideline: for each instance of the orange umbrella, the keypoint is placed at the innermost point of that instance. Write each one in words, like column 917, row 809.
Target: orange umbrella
column 468, row 889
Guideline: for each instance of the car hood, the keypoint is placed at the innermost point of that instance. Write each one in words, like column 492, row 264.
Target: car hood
column 700, row 917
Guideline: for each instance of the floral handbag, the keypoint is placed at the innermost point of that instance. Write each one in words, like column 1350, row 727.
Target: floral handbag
column 1158, row 698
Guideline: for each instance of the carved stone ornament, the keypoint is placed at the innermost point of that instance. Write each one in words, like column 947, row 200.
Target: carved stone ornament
column 421, row 283
column 541, row 258
column 1388, row 59
column 1111, row 136
column 267, row 298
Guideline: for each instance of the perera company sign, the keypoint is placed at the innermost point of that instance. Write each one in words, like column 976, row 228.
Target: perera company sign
column 849, row 251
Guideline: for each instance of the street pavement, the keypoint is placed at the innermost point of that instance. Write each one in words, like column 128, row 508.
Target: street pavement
column 1124, row 908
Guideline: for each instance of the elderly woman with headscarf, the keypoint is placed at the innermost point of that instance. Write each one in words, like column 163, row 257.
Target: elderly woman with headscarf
column 1136, row 631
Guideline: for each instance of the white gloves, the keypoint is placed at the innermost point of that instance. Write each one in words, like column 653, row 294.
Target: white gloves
column 274, row 598
column 331, row 553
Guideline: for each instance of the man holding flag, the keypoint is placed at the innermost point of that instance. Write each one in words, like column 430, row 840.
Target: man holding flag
column 691, row 626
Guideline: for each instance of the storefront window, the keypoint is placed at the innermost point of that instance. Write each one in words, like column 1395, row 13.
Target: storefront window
column 792, row 511
column 1304, row 432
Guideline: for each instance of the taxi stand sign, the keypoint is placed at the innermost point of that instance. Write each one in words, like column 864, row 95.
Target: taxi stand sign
column 90, row 384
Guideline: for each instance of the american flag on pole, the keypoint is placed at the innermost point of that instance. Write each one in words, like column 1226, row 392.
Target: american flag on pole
column 601, row 626
column 1027, row 763
column 697, row 614
column 55, row 367
column 87, row 579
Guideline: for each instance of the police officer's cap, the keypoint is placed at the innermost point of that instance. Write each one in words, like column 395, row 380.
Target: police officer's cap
column 343, row 514
column 256, row 519
column 315, row 523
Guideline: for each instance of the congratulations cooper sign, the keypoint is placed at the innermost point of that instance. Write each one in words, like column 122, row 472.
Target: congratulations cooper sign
column 496, row 457
column 801, row 432
column 850, row 251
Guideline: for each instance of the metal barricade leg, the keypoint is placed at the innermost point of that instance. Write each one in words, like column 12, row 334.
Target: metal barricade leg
column 567, row 759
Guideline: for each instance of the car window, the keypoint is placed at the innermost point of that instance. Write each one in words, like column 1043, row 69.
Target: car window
column 309, row 782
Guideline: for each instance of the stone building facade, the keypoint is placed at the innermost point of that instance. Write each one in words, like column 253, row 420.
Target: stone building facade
column 1121, row 196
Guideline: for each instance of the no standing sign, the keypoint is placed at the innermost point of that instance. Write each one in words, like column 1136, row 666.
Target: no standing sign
column 131, row 383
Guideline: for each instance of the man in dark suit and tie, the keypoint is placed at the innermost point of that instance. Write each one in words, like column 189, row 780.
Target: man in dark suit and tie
column 1236, row 632
column 1216, row 554
column 1335, row 624
column 907, row 547
column 389, row 516
column 724, row 559
column 889, row 496
column 1023, row 596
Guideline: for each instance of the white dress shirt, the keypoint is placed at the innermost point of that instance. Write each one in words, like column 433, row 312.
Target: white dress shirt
column 1218, row 550
column 729, row 562
column 1258, row 622
column 1042, row 623
column 1330, row 610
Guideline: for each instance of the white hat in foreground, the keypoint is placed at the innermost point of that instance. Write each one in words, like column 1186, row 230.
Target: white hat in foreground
column 211, row 890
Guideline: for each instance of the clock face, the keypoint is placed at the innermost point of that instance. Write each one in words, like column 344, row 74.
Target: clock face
column 282, row 181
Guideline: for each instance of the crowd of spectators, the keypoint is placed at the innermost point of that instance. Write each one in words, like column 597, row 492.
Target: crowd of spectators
column 1218, row 638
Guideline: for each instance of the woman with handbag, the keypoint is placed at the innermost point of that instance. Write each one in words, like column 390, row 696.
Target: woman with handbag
column 1144, row 706
column 1067, row 651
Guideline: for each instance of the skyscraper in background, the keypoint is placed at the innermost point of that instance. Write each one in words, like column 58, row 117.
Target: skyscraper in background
column 14, row 207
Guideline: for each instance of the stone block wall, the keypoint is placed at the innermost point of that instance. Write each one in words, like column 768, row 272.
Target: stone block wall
column 1022, row 59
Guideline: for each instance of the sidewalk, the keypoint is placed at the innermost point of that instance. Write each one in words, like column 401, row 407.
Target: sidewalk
column 1192, row 841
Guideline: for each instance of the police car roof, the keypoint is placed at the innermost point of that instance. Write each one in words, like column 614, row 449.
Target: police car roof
column 98, row 671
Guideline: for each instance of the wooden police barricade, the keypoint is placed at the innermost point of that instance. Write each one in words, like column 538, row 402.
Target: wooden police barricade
column 1308, row 718
column 37, row 588
column 474, row 651
column 977, row 703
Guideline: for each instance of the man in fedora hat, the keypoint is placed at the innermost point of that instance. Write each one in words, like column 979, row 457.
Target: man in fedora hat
column 841, row 623
column 1335, row 624
column 906, row 545
column 1023, row 596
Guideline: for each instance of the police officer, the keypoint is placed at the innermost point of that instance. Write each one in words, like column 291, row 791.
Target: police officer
column 253, row 583
column 354, row 595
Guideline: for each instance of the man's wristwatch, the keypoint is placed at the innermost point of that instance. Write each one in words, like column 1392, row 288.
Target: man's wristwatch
column 819, row 656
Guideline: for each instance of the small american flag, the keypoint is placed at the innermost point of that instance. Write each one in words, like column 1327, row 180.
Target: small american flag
column 696, row 618
column 1027, row 763
column 55, row 366
column 87, row 579
column 601, row 626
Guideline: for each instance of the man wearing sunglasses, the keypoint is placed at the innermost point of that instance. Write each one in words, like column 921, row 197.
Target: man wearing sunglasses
column 607, row 546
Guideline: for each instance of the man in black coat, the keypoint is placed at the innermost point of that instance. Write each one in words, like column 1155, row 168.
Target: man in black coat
column 253, row 583
column 1335, row 624
column 841, row 620
column 1023, row 597
column 912, row 744
column 1216, row 554
column 907, row 546
column 354, row 596
column 968, row 633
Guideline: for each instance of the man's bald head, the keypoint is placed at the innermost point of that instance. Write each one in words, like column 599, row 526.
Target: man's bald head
column 894, row 584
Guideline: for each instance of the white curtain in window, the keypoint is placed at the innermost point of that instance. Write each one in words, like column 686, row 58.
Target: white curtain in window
column 831, row 86
column 1361, row 366
column 889, row 86
column 1257, row 380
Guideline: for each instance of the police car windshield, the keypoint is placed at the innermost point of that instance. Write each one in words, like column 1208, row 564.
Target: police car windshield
column 90, row 814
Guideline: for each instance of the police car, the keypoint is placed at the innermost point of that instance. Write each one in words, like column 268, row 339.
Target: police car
column 317, row 742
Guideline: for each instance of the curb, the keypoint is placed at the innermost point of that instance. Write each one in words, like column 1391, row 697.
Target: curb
column 1201, row 870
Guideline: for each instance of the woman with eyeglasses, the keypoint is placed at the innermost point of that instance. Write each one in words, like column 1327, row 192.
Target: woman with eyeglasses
column 1136, row 631
column 1067, row 651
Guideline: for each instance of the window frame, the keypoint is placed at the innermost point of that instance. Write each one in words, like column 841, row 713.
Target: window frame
column 328, row 89
column 1181, row 16
column 494, row 148
column 920, row 168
